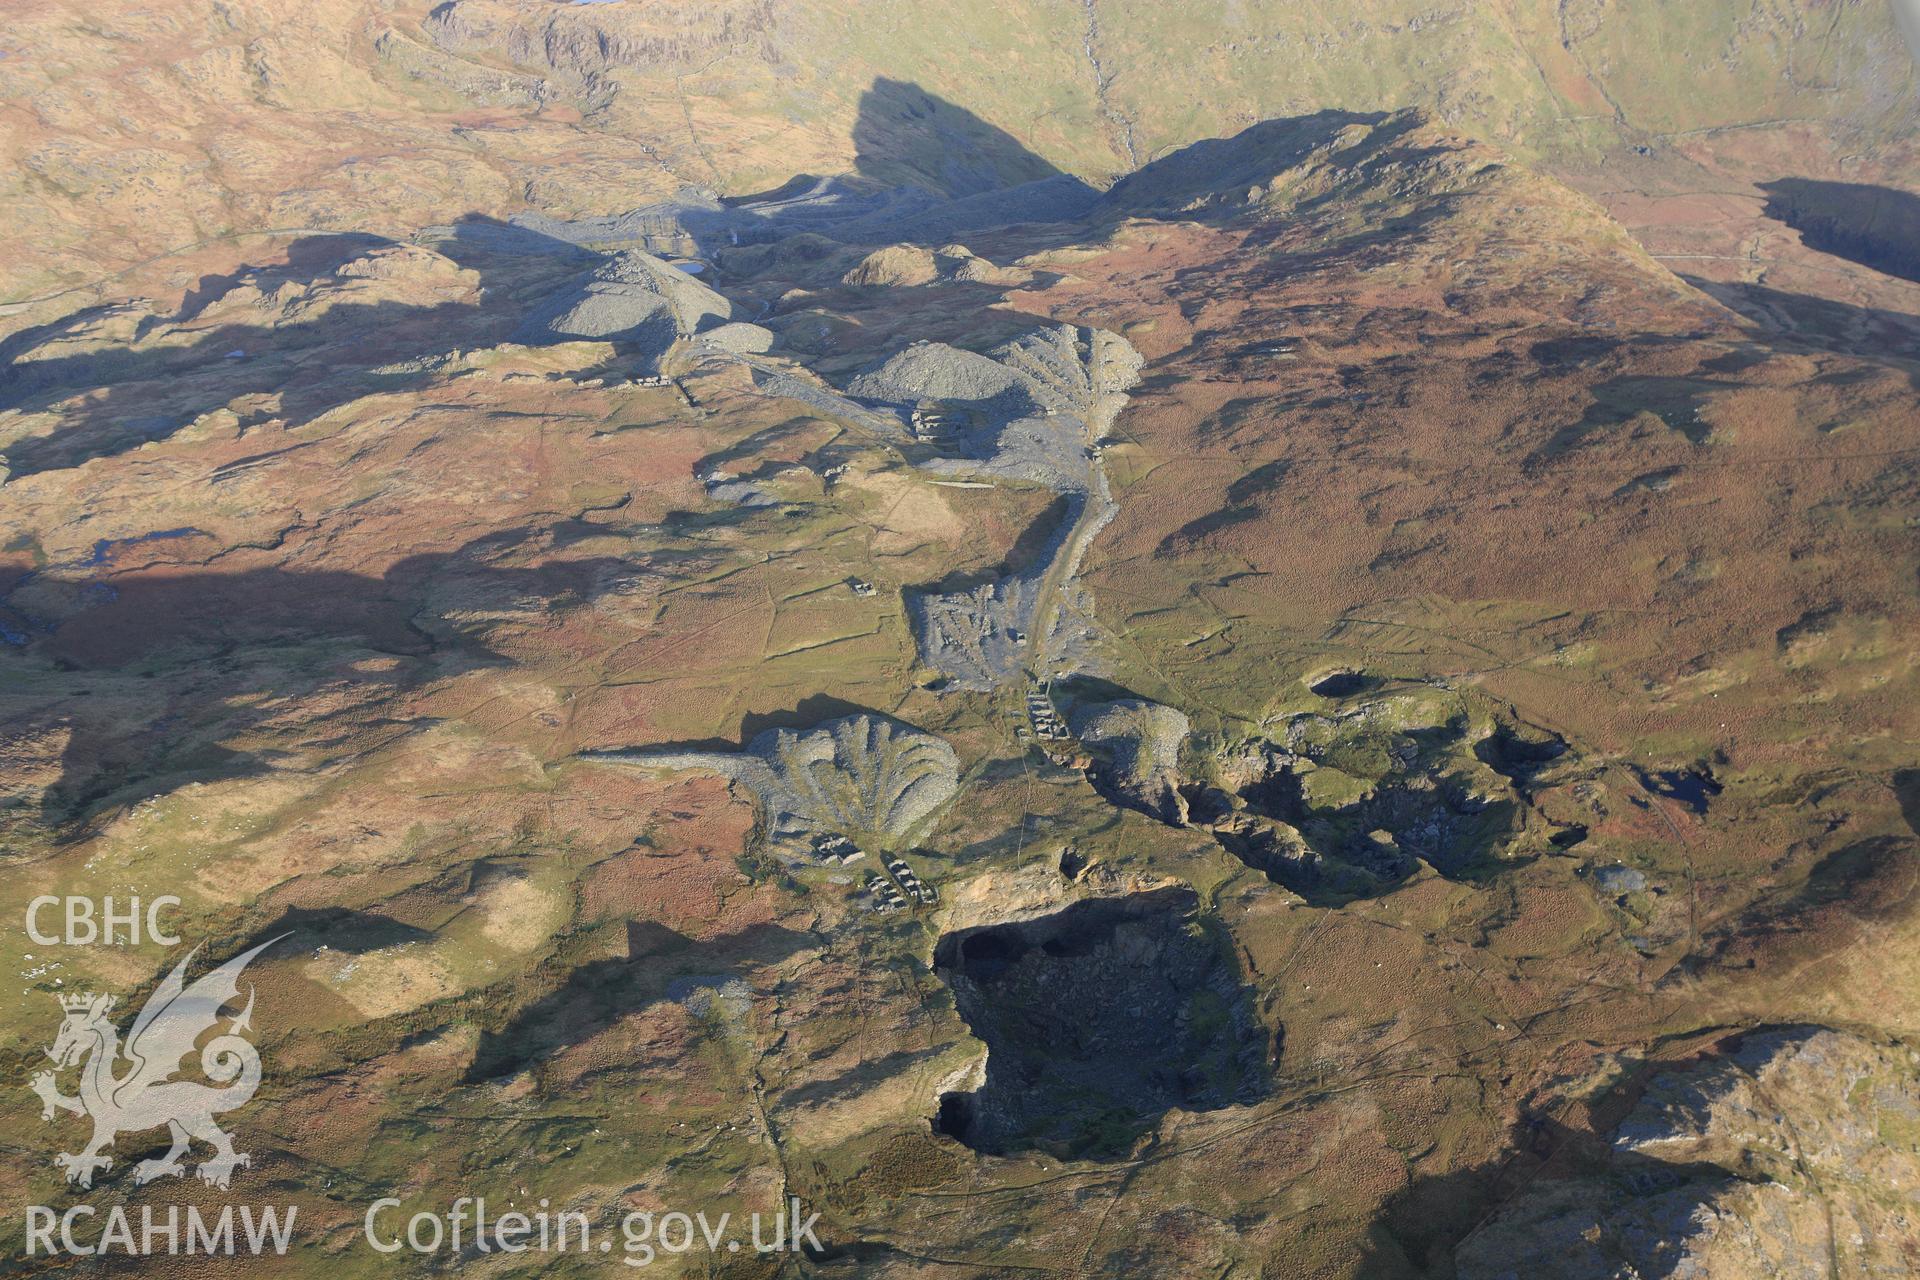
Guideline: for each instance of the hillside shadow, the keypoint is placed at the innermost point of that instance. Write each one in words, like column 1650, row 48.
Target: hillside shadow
column 185, row 663
column 1784, row 320
column 342, row 929
column 1871, row 883
column 1675, row 401
column 115, row 399
column 1422, row 1229
column 490, row 246
column 660, row 964
column 1875, row 226
column 812, row 710
column 894, row 316
column 1906, row 789
column 904, row 134
column 1232, row 166
column 1242, row 505
column 1032, row 550
column 926, row 170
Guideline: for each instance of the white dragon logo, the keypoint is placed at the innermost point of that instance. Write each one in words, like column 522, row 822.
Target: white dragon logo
column 144, row 1096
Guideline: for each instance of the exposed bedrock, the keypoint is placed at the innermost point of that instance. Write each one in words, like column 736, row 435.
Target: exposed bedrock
column 1788, row 1153
column 906, row 266
column 1136, row 749
column 1344, row 803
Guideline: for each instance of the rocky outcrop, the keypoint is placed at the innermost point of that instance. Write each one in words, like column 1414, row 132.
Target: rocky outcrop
column 905, row 265
column 1792, row 1154
column 584, row 42
column 896, row 266
column 1137, row 745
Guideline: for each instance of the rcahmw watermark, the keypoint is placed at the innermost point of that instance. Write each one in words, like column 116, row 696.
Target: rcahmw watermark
column 162, row 1230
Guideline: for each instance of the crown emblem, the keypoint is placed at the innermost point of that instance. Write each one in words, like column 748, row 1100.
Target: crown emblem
column 144, row 1094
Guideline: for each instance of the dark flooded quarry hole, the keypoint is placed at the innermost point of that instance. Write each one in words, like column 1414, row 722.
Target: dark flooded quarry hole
column 1343, row 684
column 1694, row 788
column 1098, row 1020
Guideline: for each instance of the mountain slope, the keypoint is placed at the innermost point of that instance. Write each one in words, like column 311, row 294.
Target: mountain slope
column 1462, row 676
column 140, row 132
